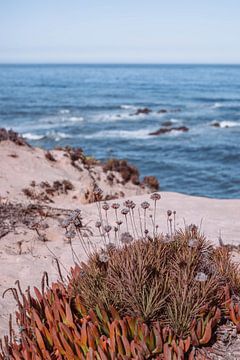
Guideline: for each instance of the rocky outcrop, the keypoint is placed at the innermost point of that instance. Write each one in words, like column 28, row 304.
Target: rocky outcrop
column 152, row 182
column 165, row 130
column 142, row 111
column 12, row 136
column 162, row 111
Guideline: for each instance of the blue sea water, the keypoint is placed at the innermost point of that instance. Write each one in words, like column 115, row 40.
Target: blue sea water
column 93, row 106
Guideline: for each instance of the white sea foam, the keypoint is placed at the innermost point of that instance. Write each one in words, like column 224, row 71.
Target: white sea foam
column 75, row 119
column 124, row 134
column 216, row 105
column 30, row 136
column 128, row 107
column 64, row 111
column 226, row 124
column 55, row 135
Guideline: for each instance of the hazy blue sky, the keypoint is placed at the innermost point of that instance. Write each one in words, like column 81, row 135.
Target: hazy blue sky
column 175, row 31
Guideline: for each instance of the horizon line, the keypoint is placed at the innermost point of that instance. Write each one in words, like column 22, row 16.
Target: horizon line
column 120, row 63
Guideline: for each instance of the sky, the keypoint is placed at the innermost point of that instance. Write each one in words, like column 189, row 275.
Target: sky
column 123, row 31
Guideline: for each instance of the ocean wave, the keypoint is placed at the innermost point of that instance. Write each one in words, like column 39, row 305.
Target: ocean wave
column 217, row 105
column 56, row 135
column 128, row 107
column 30, row 136
column 75, row 119
column 124, row 134
column 225, row 124
column 64, row 111
column 53, row 135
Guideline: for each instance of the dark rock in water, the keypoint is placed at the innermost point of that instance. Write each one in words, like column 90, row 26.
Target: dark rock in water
column 167, row 123
column 12, row 136
column 143, row 111
column 216, row 124
column 152, row 182
column 165, row 130
column 162, row 111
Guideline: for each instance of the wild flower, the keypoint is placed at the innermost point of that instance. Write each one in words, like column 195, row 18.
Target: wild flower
column 103, row 257
column 155, row 196
column 105, row 206
column 193, row 243
column 201, row 277
column 70, row 234
column 98, row 224
column 107, row 228
column 110, row 247
column 115, row 206
column 125, row 211
column 130, row 204
column 126, row 238
column 145, row 205
column 169, row 213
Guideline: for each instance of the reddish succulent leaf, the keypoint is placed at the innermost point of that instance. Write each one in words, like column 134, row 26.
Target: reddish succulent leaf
column 187, row 343
column 68, row 350
column 69, row 316
column 207, row 334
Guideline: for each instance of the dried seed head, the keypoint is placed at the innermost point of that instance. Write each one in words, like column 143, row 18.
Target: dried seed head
column 66, row 223
column 70, row 234
column 98, row 224
column 97, row 192
column 115, row 229
column 193, row 243
column 126, row 238
column 103, row 257
column 130, row 204
column 115, row 206
column 146, row 232
column 145, row 205
column 111, row 246
column 107, row 228
column 78, row 223
column 125, row 211
column 201, row 277
column 167, row 239
column 105, row 206
column 155, row 196
column 119, row 222
column 169, row 213
column 193, row 229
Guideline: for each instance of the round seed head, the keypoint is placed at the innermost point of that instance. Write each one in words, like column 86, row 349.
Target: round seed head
column 130, row 204
column 201, row 277
column 155, row 196
column 105, row 206
column 169, row 213
column 107, row 228
column 115, row 206
column 126, row 238
column 125, row 211
column 103, row 257
column 193, row 243
column 98, row 224
column 145, row 205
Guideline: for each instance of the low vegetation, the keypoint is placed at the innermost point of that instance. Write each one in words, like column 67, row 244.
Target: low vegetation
column 140, row 295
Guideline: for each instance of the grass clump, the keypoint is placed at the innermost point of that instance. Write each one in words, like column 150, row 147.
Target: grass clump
column 141, row 295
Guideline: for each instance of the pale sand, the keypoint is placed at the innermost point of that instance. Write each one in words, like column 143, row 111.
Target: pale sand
column 213, row 215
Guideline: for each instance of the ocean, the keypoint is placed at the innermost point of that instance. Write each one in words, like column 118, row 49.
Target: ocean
column 95, row 107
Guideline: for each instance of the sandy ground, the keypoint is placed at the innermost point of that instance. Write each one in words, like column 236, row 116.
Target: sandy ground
column 23, row 253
